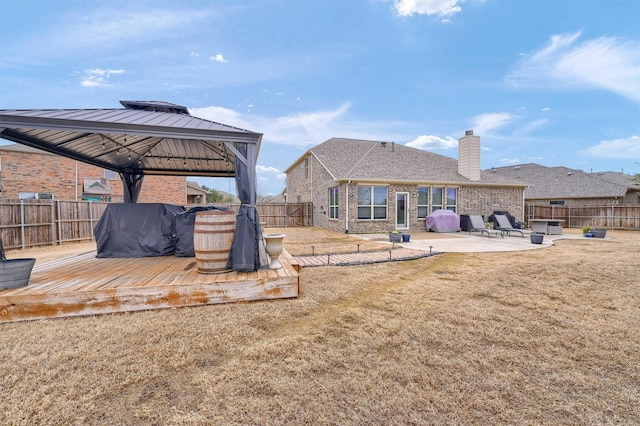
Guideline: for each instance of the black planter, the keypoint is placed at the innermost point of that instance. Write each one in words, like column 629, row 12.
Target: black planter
column 395, row 237
column 537, row 238
column 15, row 273
column 599, row 233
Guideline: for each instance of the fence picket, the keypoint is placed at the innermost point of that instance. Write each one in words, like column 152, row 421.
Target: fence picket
column 609, row 217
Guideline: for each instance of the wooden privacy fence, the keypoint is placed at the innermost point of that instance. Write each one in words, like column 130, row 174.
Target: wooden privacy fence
column 608, row 217
column 30, row 223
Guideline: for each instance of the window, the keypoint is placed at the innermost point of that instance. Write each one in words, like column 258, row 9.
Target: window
column 306, row 167
column 423, row 202
column 436, row 199
column 110, row 174
column 557, row 202
column 444, row 198
column 36, row 196
column 372, row 202
column 333, row 203
column 452, row 199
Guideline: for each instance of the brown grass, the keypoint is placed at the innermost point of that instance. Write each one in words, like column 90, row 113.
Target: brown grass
column 549, row 336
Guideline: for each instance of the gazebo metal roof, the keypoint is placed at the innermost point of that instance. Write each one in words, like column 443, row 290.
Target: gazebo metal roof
column 152, row 138
column 148, row 137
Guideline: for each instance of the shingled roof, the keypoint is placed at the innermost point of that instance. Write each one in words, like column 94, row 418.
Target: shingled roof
column 365, row 160
column 561, row 182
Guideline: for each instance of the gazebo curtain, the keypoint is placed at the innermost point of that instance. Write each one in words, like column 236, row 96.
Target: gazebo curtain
column 245, row 250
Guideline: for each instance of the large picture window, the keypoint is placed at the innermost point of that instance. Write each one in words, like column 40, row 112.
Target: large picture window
column 372, row 202
column 423, row 202
column 333, row 203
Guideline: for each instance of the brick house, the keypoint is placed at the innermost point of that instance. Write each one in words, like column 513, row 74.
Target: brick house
column 367, row 186
column 565, row 186
column 26, row 172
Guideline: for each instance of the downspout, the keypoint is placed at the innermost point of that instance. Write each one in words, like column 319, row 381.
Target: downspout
column 312, row 198
column 76, row 183
column 346, row 210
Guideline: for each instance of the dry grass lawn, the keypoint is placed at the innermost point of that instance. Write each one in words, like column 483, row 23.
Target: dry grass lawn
column 548, row 336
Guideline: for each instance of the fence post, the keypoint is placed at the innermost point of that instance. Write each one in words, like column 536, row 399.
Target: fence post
column 53, row 222
column 59, row 223
column 91, row 220
column 22, row 243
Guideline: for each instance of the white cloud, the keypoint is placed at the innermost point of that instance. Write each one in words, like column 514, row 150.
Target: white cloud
column 514, row 160
column 484, row 122
column 98, row 77
column 545, row 109
column 606, row 63
column 111, row 27
column 218, row 58
column 440, row 8
column 427, row 142
column 271, row 171
column 628, row 148
column 195, row 54
column 303, row 129
column 530, row 127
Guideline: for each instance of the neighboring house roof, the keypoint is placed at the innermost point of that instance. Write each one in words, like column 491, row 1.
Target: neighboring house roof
column 377, row 161
column 621, row 179
column 194, row 189
column 560, row 182
column 279, row 198
column 16, row 147
column 94, row 186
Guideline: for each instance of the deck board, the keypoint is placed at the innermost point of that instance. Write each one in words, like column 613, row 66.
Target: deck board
column 87, row 285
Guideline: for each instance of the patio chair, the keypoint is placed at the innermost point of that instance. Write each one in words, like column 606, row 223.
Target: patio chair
column 504, row 225
column 477, row 224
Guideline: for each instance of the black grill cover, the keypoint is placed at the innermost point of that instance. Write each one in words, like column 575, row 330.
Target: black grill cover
column 137, row 230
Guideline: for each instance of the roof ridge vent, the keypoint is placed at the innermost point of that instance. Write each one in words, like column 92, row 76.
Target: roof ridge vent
column 156, row 106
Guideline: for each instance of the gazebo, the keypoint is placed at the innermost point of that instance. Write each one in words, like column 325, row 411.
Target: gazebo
column 152, row 138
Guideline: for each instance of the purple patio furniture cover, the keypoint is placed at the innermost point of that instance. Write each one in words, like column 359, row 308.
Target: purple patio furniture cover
column 443, row 221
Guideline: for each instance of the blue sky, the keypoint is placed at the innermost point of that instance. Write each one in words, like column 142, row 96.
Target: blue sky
column 554, row 82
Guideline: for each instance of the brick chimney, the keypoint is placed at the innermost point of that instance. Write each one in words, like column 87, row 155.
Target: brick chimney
column 469, row 156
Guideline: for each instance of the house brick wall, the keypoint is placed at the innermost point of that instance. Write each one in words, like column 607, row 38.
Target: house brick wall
column 310, row 181
column 48, row 173
column 484, row 200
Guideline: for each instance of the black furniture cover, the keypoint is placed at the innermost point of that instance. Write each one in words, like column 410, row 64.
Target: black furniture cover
column 514, row 223
column 137, row 230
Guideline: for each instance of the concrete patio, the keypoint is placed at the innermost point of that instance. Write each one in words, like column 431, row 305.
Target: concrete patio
column 464, row 242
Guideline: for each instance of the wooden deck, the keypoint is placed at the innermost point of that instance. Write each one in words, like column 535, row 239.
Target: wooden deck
column 87, row 285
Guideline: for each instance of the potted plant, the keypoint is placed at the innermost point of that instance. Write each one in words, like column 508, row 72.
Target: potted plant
column 536, row 238
column 598, row 233
column 586, row 231
column 395, row 236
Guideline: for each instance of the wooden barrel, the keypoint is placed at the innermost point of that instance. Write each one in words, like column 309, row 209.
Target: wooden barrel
column 212, row 238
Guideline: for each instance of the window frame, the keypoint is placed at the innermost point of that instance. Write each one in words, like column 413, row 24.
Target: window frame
column 424, row 207
column 374, row 209
column 334, row 208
